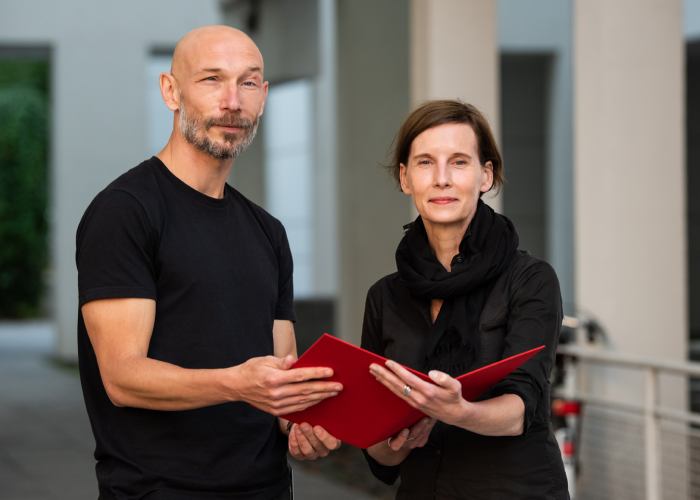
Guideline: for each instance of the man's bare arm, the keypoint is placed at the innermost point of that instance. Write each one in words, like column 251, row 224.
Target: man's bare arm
column 120, row 332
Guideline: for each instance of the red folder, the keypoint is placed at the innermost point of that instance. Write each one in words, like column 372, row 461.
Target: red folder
column 365, row 412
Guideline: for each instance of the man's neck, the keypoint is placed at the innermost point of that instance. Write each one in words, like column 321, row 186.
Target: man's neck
column 195, row 168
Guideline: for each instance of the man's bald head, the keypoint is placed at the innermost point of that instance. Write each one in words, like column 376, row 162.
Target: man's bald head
column 216, row 90
column 196, row 48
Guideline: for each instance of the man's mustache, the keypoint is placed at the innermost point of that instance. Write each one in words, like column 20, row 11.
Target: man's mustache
column 229, row 121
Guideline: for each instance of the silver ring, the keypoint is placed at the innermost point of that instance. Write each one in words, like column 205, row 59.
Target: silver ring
column 407, row 390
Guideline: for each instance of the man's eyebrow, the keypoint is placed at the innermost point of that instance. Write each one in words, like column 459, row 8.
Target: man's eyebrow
column 251, row 69
column 254, row 69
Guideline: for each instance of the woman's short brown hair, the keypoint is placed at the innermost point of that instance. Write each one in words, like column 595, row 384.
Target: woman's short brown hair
column 433, row 113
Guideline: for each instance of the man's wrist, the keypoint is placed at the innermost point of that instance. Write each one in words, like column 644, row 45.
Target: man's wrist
column 230, row 384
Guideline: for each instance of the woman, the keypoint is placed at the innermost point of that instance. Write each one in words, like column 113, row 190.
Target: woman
column 463, row 297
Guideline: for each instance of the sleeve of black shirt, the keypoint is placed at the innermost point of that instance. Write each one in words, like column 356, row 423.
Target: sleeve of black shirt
column 534, row 319
column 114, row 253
column 285, row 286
column 372, row 341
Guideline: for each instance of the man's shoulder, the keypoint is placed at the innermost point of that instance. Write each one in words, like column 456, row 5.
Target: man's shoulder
column 271, row 224
column 139, row 181
column 133, row 191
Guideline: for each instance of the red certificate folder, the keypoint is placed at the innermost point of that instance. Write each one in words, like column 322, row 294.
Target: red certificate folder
column 365, row 412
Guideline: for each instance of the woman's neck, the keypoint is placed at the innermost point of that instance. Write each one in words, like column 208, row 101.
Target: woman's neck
column 444, row 240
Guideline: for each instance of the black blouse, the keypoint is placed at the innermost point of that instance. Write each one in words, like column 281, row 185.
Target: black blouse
column 522, row 311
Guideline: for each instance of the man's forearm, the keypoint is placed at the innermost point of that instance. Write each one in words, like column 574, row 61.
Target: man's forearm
column 157, row 385
column 265, row 382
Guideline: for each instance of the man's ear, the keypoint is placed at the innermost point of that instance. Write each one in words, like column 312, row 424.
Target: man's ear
column 266, row 87
column 169, row 91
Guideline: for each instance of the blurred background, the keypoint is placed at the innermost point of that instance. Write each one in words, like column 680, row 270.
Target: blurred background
column 597, row 106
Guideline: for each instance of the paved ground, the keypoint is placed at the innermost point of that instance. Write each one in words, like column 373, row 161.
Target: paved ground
column 45, row 440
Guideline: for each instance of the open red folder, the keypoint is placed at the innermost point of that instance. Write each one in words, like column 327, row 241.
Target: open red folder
column 365, row 412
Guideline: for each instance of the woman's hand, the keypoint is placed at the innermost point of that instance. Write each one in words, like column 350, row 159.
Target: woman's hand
column 442, row 401
column 394, row 450
column 500, row 416
column 415, row 437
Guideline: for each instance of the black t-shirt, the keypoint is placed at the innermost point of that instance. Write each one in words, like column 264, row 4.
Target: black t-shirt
column 522, row 311
column 220, row 271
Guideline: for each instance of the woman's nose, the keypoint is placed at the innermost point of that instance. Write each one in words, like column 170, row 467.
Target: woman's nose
column 442, row 174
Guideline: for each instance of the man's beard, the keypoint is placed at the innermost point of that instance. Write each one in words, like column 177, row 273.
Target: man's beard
column 194, row 130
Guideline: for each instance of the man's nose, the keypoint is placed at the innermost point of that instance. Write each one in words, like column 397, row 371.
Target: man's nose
column 231, row 98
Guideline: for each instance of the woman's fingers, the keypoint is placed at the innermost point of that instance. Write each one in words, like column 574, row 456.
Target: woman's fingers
column 420, row 433
column 444, row 380
column 405, row 376
column 397, row 442
column 402, row 383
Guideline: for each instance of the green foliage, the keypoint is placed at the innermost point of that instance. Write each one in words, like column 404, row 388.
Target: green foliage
column 23, row 186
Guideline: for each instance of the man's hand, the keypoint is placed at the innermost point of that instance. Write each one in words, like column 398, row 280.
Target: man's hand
column 310, row 443
column 269, row 384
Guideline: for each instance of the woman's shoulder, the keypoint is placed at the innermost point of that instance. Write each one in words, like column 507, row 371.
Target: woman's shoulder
column 390, row 282
column 528, row 276
column 526, row 267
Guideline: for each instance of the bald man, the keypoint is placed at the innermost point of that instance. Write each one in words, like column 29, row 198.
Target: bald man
column 185, row 327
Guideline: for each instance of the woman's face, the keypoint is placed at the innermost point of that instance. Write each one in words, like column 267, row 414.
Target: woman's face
column 444, row 175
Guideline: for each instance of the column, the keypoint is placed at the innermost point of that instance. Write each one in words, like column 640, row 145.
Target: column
column 629, row 209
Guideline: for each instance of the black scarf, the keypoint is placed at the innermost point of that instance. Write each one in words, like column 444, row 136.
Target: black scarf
column 486, row 250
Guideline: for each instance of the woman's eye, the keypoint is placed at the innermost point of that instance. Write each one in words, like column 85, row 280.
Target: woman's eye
column 424, row 162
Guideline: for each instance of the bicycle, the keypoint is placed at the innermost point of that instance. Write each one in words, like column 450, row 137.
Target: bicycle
column 566, row 408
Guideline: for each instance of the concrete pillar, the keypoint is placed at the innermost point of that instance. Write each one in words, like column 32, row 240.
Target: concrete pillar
column 454, row 54
column 373, row 98
column 449, row 50
column 326, row 155
column 629, row 172
column 629, row 180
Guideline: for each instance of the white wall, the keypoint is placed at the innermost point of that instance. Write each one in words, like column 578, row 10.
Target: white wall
column 99, row 116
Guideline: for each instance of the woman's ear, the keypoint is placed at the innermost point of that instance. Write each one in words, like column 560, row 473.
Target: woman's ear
column 402, row 177
column 487, row 179
column 169, row 91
